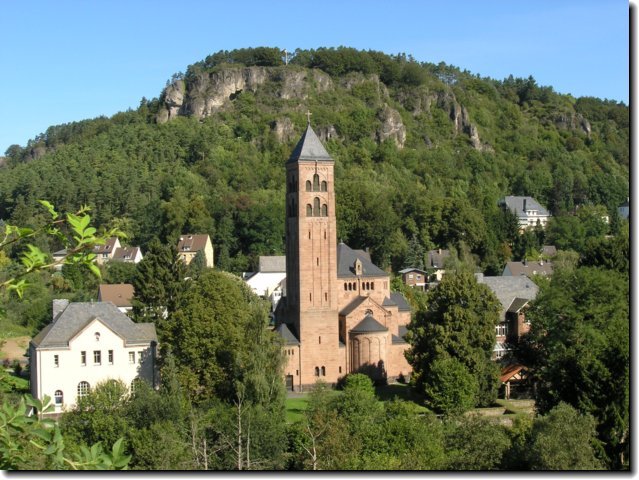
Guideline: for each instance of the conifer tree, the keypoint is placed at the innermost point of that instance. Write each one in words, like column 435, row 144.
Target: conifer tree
column 158, row 282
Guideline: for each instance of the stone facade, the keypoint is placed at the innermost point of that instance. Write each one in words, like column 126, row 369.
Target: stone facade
column 339, row 313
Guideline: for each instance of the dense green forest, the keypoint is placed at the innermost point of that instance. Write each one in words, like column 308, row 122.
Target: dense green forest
column 458, row 143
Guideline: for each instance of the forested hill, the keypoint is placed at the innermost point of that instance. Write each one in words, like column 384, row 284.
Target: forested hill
column 423, row 153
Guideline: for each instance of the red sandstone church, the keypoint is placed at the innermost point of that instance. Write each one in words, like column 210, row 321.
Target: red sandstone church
column 339, row 315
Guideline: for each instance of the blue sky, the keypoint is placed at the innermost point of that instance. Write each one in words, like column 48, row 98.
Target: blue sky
column 63, row 60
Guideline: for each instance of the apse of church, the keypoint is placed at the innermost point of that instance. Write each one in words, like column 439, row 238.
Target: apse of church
column 338, row 315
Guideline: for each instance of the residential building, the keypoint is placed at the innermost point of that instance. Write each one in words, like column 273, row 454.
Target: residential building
column 190, row 244
column 105, row 252
column 86, row 344
column 339, row 315
column 127, row 255
column 120, row 295
column 270, row 280
column 528, row 268
column 435, row 264
column 528, row 211
column 58, row 257
column 514, row 294
column 414, row 277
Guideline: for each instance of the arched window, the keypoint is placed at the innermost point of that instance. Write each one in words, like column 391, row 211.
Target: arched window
column 367, row 285
column 350, row 286
column 324, row 186
column 59, row 397
column 135, row 384
column 345, row 286
column 316, row 184
column 324, row 210
column 316, row 207
column 323, row 371
column 309, row 210
column 317, row 371
column 83, row 389
column 372, row 285
column 308, row 185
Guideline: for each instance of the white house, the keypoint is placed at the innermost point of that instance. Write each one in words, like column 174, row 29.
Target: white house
column 127, row 255
column 528, row 211
column 270, row 280
column 86, row 344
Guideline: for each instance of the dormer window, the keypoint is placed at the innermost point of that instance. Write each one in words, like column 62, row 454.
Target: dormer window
column 358, row 267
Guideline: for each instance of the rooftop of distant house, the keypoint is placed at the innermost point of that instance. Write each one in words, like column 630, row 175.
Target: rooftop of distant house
column 192, row 242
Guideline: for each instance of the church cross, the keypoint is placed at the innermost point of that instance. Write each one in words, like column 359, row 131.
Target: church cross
column 308, row 117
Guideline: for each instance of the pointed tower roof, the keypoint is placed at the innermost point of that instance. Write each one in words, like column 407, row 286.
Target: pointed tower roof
column 310, row 148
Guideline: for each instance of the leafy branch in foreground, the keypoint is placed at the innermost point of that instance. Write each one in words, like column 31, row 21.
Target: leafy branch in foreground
column 23, row 434
column 79, row 242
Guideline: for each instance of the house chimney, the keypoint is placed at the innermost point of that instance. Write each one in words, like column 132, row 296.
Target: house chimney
column 59, row 305
column 524, row 205
column 439, row 250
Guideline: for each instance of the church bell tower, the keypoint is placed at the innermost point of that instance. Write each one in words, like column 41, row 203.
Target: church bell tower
column 311, row 263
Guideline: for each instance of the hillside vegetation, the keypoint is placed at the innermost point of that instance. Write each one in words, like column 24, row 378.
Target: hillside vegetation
column 423, row 153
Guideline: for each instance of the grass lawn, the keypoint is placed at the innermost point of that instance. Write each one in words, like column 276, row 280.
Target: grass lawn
column 295, row 408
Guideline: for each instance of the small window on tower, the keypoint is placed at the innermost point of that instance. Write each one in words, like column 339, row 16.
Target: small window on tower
column 324, row 186
column 308, row 185
column 320, row 340
column 316, row 184
column 317, row 261
column 316, row 207
column 324, row 211
column 309, row 210
column 325, row 296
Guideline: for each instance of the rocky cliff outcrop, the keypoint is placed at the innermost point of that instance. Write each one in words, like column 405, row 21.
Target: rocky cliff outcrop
column 573, row 121
column 208, row 92
column 391, row 126
column 283, row 129
column 425, row 101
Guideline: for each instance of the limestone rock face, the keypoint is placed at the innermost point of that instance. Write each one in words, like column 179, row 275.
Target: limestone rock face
column 573, row 121
column 391, row 126
column 208, row 92
column 173, row 101
column 283, row 129
column 326, row 133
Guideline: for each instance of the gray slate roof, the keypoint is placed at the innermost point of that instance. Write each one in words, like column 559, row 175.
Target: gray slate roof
column 399, row 300
column 78, row 315
column 369, row 325
column 399, row 339
column 284, row 332
column 507, row 289
column 346, row 257
column 518, row 304
column 356, row 302
column 516, row 205
column 309, row 148
column 273, row 263
column 411, row 269
column 436, row 258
